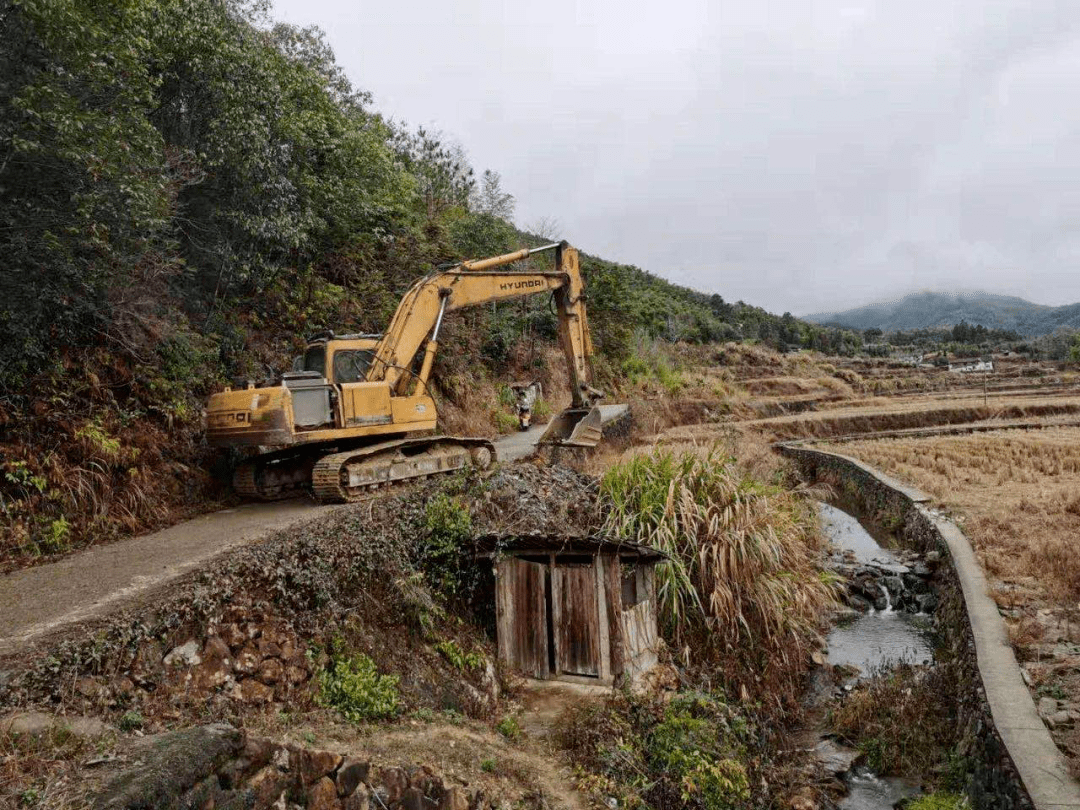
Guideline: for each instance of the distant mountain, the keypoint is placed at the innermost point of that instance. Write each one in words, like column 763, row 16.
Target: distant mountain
column 928, row 310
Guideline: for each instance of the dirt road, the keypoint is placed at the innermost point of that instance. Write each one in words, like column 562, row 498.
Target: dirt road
column 93, row 583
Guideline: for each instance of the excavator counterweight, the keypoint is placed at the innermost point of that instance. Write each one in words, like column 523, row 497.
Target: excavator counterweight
column 346, row 419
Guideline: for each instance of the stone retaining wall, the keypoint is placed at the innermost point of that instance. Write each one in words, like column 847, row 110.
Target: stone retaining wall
column 1009, row 754
column 217, row 767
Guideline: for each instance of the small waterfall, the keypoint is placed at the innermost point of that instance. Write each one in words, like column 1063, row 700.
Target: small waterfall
column 888, row 599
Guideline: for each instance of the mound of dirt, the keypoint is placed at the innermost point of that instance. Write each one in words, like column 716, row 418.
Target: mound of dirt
column 530, row 498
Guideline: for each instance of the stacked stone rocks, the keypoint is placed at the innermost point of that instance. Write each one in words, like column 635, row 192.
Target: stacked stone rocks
column 252, row 661
column 903, row 583
column 216, row 767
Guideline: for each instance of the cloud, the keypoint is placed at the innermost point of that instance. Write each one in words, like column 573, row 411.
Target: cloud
column 802, row 155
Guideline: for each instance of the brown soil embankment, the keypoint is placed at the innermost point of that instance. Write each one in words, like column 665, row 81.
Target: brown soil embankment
column 847, row 421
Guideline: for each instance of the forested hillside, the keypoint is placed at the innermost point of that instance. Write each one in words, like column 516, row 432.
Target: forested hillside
column 186, row 190
column 932, row 310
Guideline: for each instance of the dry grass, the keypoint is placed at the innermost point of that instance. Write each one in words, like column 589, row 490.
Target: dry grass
column 915, row 413
column 903, row 720
column 741, row 593
column 41, row 770
column 1019, row 492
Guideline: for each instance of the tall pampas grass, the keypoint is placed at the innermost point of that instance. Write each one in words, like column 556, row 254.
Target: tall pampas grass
column 742, row 591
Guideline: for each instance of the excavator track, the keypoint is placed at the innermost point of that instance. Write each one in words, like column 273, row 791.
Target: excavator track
column 349, row 476
column 272, row 479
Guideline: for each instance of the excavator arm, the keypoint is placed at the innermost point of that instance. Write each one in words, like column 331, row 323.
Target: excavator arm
column 419, row 316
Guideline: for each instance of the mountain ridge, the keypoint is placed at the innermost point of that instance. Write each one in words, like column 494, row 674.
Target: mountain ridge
column 933, row 309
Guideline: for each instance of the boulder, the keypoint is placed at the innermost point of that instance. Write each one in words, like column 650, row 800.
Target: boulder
column 835, row 758
column 38, row 724
column 316, row 764
column 232, row 635
column 269, row 648
column 247, row 660
column 295, row 675
column 291, row 652
column 271, row 671
column 267, row 786
column 393, row 781
column 147, row 667
column 894, row 569
column 206, row 794
column 413, row 799
column 187, row 654
column 1059, row 719
column 323, row 795
column 916, row 584
column 351, row 775
column 88, row 687
column 216, row 667
column 894, row 585
column 359, row 799
column 927, row 602
column 921, row 569
column 255, row 693
column 455, row 799
column 258, row 751
column 172, row 764
column 1047, row 707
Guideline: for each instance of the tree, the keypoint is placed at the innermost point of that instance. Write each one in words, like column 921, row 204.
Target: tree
column 490, row 199
column 546, row 228
column 441, row 169
column 1074, row 350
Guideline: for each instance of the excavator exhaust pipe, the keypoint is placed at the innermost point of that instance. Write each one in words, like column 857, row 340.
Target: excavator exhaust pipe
column 575, row 427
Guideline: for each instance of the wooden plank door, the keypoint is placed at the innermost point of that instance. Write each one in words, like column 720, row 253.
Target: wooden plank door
column 521, row 613
column 577, row 631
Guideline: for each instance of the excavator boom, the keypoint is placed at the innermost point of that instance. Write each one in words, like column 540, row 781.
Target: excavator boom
column 345, row 420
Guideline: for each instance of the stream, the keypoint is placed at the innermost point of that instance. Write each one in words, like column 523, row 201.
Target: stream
column 873, row 641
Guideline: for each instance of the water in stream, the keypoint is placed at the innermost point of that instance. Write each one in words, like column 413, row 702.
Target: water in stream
column 872, row 641
column 877, row 637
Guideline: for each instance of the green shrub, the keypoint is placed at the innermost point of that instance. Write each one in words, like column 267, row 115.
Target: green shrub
column 937, row 801
column 507, row 398
column 354, row 687
column 693, row 751
column 509, row 727
column 95, row 435
column 444, row 553
column 669, row 378
column 541, row 409
column 55, row 537
column 696, row 747
column 462, row 661
column 635, row 370
column 506, row 422
column 130, row 721
column 488, row 765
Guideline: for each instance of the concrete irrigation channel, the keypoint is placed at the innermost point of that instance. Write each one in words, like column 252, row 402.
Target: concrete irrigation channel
column 1015, row 762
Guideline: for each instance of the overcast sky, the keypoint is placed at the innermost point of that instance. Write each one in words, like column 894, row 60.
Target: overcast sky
column 800, row 155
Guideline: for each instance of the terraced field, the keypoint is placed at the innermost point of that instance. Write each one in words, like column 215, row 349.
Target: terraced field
column 1004, row 461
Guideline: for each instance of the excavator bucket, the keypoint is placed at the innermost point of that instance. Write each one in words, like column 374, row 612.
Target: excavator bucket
column 578, row 427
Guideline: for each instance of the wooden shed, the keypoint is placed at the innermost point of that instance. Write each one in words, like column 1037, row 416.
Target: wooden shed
column 578, row 609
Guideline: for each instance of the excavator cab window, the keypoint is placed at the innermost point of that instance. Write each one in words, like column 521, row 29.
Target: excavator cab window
column 351, row 365
column 315, row 360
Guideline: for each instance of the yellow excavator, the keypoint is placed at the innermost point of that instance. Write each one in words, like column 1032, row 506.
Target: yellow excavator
column 356, row 412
